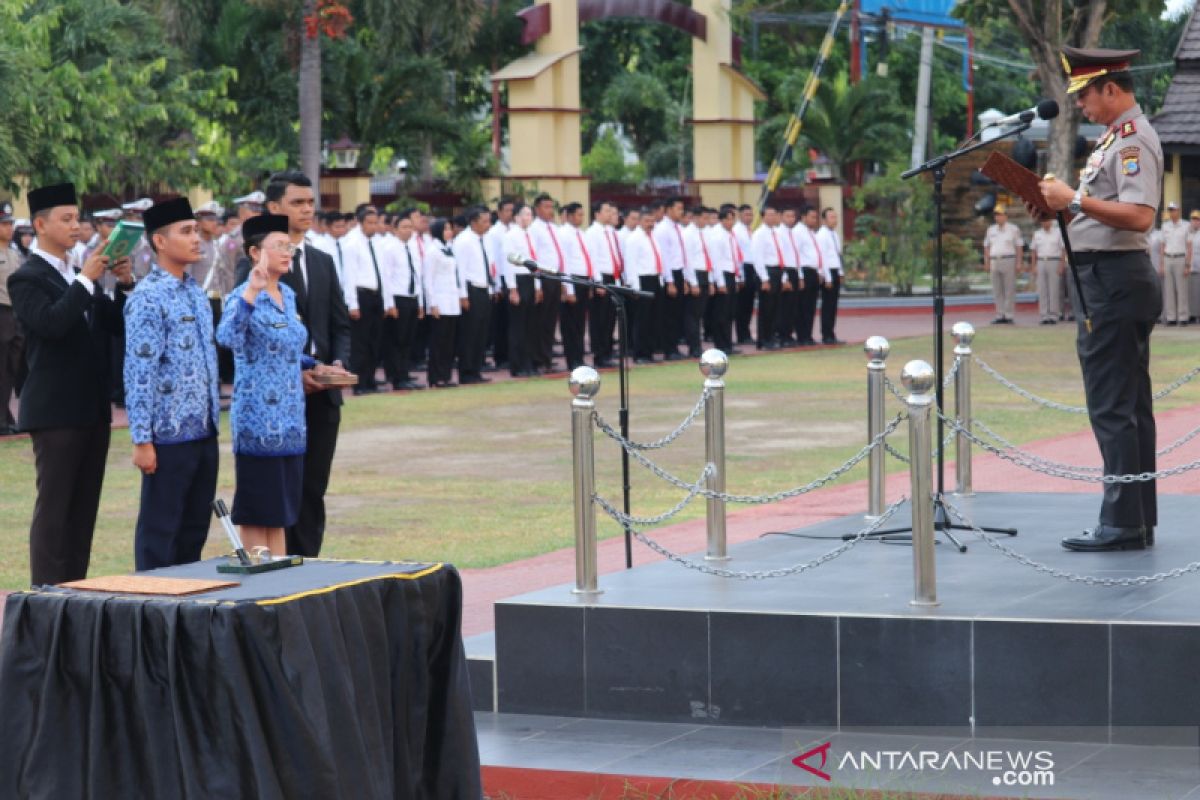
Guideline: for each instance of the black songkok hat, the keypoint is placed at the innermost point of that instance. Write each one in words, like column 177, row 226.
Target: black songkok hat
column 165, row 213
column 264, row 224
column 46, row 197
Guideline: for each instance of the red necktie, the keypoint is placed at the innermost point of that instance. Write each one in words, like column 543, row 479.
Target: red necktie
column 682, row 249
column 532, row 252
column 657, row 257
column 817, row 247
column 778, row 249
column 707, row 258
column 586, row 258
column 557, row 249
column 614, row 254
column 737, row 255
column 795, row 250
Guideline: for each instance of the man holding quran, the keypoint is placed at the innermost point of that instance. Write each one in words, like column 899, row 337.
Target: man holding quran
column 1112, row 212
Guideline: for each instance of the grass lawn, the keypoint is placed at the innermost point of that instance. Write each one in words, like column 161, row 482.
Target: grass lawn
column 481, row 476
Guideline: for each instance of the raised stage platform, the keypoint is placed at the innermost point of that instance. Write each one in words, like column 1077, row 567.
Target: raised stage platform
column 841, row 647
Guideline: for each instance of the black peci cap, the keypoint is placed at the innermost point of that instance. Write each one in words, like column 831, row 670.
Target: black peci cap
column 46, row 197
column 167, row 212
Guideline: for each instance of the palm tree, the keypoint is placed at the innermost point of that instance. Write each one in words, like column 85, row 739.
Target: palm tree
column 850, row 123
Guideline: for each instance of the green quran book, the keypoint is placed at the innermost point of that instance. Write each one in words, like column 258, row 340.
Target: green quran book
column 123, row 239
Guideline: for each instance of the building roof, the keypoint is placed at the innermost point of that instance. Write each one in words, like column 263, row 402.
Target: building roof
column 1178, row 123
column 530, row 66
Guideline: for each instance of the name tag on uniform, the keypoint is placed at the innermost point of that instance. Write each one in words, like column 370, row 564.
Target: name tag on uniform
column 279, row 324
column 187, row 318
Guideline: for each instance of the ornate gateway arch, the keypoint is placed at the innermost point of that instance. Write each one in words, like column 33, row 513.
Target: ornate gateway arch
column 543, row 97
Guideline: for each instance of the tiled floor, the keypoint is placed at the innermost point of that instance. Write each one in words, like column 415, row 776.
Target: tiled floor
column 1089, row 771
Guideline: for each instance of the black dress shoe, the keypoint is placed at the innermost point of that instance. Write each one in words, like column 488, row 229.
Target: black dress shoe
column 410, row 386
column 771, row 346
column 832, row 341
column 673, row 356
column 1103, row 538
column 601, row 363
column 1149, row 536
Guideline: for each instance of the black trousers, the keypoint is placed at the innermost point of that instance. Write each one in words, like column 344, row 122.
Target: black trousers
column 473, row 330
column 366, row 337
column 674, row 316
column 12, row 345
column 645, row 318
column 744, row 303
column 808, row 305
column 547, row 322
column 175, row 511
column 498, row 336
column 420, row 349
column 323, row 419
column 693, row 311
column 1124, row 297
column 441, row 348
column 70, row 474
column 602, row 317
column 721, row 312
column 398, row 333
column 522, row 326
column 788, row 315
column 768, row 306
column 572, row 323
column 829, row 305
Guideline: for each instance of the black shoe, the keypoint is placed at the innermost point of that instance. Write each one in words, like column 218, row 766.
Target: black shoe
column 410, row 386
column 1171, row 323
column 693, row 354
column 999, row 321
column 1103, row 538
column 443, row 384
column 808, row 343
column 673, row 356
column 771, row 346
column 832, row 341
column 745, row 340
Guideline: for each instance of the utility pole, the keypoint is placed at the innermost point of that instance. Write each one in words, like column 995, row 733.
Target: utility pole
column 921, row 117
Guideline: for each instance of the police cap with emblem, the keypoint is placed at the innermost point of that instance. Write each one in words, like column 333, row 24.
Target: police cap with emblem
column 6, row 212
column 1085, row 66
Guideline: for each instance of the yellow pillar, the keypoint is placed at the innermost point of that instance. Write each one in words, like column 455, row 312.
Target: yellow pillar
column 1173, row 179
column 544, row 111
column 723, row 113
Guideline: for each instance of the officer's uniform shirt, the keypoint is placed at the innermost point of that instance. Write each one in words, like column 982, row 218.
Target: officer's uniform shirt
column 829, row 248
column 10, row 262
column 643, row 259
column 791, row 252
column 1126, row 166
column 1154, row 245
column 1175, row 236
column 722, row 249
column 695, row 244
column 605, row 249
column 766, row 249
column 360, row 269
column 468, row 251
column 578, row 258
column 1001, row 242
column 1046, row 244
column 806, row 246
column 668, row 236
column 519, row 242
column 1193, row 238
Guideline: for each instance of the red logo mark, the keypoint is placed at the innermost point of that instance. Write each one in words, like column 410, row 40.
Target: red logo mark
column 818, row 771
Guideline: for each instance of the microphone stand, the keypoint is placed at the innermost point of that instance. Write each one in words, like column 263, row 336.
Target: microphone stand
column 618, row 294
column 942, row 523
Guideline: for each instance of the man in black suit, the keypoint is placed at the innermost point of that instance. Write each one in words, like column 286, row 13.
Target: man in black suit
column 68, row 324
column 320, row 303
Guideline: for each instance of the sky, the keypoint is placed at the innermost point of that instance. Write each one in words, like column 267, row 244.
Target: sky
column 1175, row 7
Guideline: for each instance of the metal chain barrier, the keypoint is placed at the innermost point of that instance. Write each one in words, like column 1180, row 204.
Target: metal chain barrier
column 1067, row 575
column 657, row 444
column 949, row 379
column 1188, row 378
column 1180, row 442
column 781, row 572
column 1007, row 445
column 749, row 499
column 628, row 521
column 896, row 454
column 1041, row 401
column 1069, row 474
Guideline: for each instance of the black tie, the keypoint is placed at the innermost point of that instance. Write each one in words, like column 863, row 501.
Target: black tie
column 301, row 284
column 487, row 268
column 375, row 264
column 412, row 272
column 341, row 274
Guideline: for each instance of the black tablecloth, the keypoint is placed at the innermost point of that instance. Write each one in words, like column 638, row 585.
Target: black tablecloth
column 329, row 680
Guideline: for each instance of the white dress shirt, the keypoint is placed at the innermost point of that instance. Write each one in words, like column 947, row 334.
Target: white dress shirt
column 698, row 254
column 518, row 241
column 831, row 252
column 64, row 269
column 358, row 267
column 547, row 240
column 668, row 235
column 473, row 268
column 605, row 249
column 766, row 249
column 495, row 242
column 575, row 252
column 723, row 249
column 442, row 289
column 401, row 270
column 743, row 238
column 643, row 259
column 806, row 243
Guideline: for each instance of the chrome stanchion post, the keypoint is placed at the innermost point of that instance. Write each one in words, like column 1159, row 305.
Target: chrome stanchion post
column 918, row 378
column 713, row 365
column 877, row 349
column 584, row 384
column 964, row 334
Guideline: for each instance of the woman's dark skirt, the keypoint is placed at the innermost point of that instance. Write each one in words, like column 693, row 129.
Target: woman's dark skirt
column 268, row 490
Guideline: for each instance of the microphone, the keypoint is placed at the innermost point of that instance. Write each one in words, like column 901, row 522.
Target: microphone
column 516, row 260
column 1047, row 109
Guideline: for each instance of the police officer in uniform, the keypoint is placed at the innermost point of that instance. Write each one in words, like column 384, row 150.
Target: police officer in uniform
column 1113, row 210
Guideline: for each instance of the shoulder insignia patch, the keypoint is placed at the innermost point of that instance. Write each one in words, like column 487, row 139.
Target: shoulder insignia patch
column 1129, row 161
column 1128, row 129
column 1107, row 141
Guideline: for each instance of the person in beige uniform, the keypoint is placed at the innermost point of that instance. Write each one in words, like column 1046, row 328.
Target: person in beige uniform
column 1113, row 210
column 1046, row 252
column 1174, row 266
column 1002, row 251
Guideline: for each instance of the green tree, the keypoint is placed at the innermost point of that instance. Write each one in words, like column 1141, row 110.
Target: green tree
column 895, row 223
column 605, row 162
column 867, row 108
